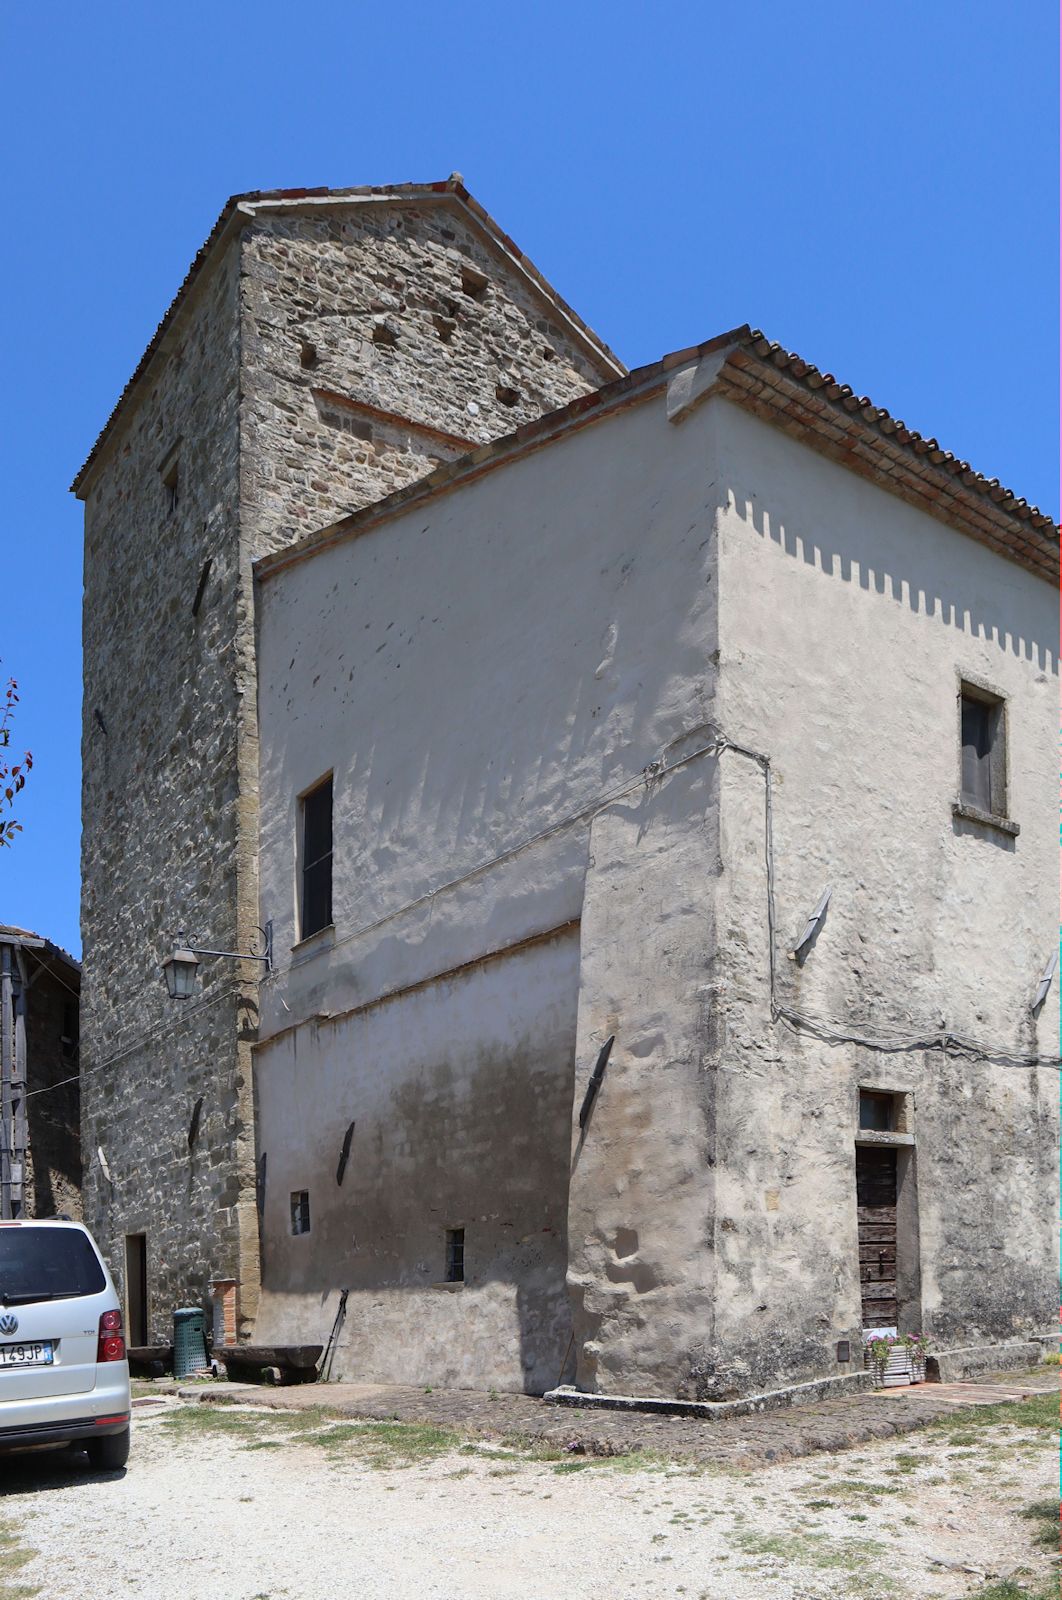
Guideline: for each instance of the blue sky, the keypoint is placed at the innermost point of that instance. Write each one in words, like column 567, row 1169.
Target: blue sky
column 874, row 186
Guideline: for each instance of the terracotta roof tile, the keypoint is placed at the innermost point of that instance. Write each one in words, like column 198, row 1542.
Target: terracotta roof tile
column 786, row 391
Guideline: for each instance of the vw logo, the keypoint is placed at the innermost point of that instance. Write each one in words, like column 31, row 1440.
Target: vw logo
column 8, row 1323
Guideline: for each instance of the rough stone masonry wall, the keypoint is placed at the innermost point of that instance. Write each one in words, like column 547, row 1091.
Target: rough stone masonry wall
column 169, row 737
column 159, row 798
column 405, row 311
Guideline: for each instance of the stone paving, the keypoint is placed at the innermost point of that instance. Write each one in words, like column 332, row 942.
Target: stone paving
column 737, row 1442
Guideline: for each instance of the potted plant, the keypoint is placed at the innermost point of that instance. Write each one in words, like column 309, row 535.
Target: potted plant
column 879, row 1351
column 917, row 1347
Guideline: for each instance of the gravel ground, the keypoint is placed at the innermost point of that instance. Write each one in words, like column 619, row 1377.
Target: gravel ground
column 251, row 1504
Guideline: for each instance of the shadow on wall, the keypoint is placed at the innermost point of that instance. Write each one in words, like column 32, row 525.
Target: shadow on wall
column 481, row 1146
column 937, row 591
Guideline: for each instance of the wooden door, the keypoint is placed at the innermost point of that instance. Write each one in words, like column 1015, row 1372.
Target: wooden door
column 876, row 1202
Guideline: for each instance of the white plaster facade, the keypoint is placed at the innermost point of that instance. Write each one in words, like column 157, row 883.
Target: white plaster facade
column 526, row 678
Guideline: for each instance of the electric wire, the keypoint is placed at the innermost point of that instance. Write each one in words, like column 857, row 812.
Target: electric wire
column 826, row 1030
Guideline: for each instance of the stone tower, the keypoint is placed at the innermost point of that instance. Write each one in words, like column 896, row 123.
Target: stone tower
column 325, row 348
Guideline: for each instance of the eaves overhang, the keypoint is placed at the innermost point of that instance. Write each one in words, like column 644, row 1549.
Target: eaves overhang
column 41, row 948
column 242, row 208
column 747, row 369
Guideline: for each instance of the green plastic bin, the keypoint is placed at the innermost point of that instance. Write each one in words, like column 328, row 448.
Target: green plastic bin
column 189, row 1341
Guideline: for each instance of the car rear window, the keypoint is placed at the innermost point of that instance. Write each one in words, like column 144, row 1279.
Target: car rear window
column 41, row 1263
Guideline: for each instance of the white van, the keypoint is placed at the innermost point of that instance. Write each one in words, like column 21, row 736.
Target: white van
column 64, row 1377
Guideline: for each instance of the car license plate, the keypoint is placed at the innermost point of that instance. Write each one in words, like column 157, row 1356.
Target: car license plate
column 38, row 1354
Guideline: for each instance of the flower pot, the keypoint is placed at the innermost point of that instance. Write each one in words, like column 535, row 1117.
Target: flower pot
column 897, row 1372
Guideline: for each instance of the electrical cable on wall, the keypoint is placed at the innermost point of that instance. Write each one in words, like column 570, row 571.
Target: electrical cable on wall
column 826, row 1030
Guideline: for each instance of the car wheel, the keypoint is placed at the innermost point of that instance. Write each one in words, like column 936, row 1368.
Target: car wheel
column 109, row 1452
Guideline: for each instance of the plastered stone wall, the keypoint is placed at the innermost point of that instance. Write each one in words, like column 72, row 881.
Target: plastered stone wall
column 641, row 1278
column 492, row 677
column 847, row 621
column 480, row 673
column 457, row 1098
column 170, row 723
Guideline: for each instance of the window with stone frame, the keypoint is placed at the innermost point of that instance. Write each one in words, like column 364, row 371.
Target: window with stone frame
column 983, row 777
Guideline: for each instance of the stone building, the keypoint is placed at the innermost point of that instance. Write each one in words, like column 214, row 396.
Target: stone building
column 697, row 738
column 325, row 349
column 40, row 1135
column 543, row 712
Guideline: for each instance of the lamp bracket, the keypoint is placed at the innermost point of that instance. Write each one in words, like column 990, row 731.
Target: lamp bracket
column 265, row 955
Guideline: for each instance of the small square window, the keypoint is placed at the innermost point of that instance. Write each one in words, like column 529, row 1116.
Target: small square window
column 300, row 1211
column 316, row 842
column 455, row 1255
column 171, row 485
column 983, row 772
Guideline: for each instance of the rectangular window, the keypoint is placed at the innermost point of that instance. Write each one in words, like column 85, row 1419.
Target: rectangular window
column 300, row 1211
column 316, row 910
column 171, row 485
column 983, row 776
column 455, row 1255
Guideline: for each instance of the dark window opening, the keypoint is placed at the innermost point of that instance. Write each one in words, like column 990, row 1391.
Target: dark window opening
column 307, row 354
column 300, row 1211
column 383, row 334
column 171, row 486
column 136, row 1298
column 474, row 283
column 507, row 396
column 317, row 859
column 877, row 1111
column 455, row 1255
column 983, row 779
column 204, row 578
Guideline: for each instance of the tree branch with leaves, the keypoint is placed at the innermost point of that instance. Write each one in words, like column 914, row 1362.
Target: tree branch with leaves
column 12, row 774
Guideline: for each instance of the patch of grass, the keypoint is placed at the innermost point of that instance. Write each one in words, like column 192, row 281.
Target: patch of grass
column 193, row 1420
column 384, row 1445
column 811, row 1549
column 1038, row 1411
column 13, row 1557
column 906, row 1460
column 1011, row 1589
column 860, row 1488
column 526, row 1444
column 1045, row 1513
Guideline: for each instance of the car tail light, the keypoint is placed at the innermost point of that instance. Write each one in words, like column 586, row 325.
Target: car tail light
column 111, row 1346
